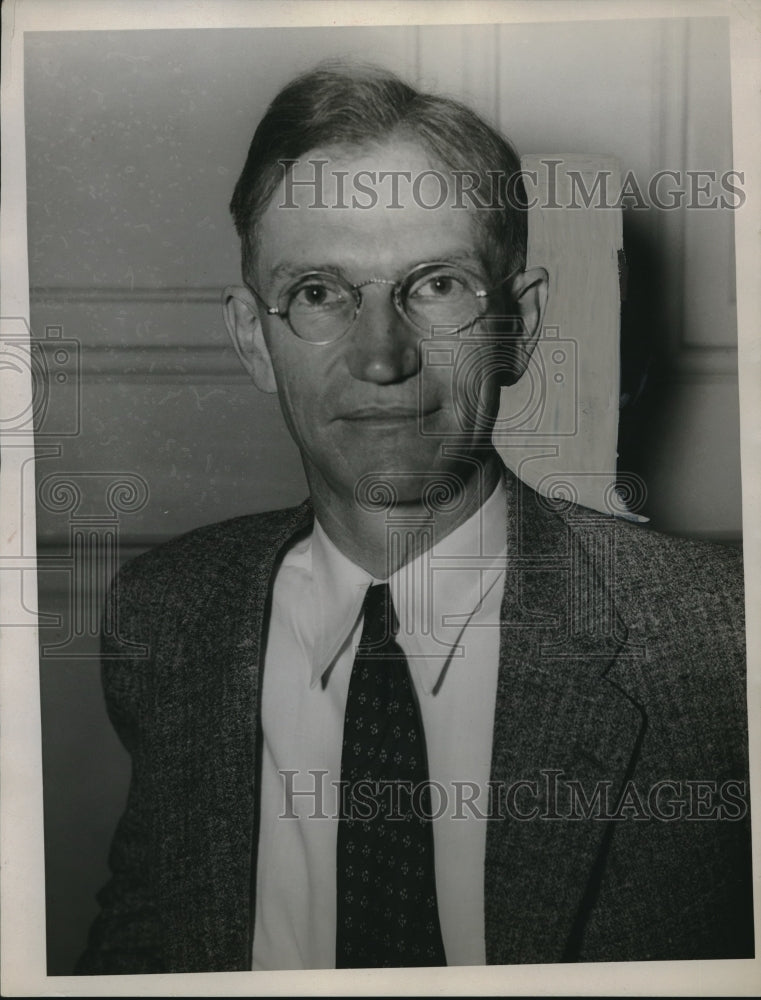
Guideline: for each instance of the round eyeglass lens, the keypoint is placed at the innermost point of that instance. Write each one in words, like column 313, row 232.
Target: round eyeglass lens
column 440, row 295
column 319, row 307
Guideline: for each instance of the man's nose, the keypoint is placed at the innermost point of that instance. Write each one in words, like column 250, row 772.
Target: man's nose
column 384, row 348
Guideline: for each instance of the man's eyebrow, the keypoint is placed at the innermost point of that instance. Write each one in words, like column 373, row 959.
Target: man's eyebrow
column 465, row 257
column 292, row 269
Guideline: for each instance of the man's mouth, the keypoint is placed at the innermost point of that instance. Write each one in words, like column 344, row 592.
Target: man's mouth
column 387, row 414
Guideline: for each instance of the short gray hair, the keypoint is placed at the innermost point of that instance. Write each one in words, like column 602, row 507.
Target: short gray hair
column 350, row 105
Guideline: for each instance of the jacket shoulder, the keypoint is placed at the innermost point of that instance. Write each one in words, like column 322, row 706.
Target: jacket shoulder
column 204, row 551
column 169, row 580
column 683, row 597
column 633, row 557
column 680, row 567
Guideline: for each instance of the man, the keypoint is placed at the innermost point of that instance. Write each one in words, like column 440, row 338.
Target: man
column 427, row 717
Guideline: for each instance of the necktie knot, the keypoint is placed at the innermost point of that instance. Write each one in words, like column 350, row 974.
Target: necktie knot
column 380, row 622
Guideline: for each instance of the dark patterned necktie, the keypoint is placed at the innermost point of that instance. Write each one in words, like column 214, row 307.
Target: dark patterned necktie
column 387, row 913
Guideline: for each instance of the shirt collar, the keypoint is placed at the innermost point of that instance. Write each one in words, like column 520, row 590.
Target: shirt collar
column 434, row 595
column 444, row 588
column 339, row 590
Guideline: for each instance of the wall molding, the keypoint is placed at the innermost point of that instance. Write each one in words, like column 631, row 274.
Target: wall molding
column 702, row 362
column 468, row 71
column 188, row 361
column 181, row 362
column 677, row 146
column 671, row 56
column 56, row 581
column 199, row 295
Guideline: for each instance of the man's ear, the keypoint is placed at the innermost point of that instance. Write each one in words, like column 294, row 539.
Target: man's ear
column 528, row 290
column 245, row 330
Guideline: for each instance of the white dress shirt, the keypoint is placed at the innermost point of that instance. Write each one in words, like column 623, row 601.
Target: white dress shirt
column 447, row 602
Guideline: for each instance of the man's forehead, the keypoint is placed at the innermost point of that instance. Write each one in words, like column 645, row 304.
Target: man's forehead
column 389, row 199
column 395, row 171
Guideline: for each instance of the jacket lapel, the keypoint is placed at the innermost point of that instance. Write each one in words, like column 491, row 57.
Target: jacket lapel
column 219, row 667
column 559, row 719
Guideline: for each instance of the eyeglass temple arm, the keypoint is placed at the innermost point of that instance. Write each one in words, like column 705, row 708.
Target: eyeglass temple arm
column 482, row 294
column 271, row 310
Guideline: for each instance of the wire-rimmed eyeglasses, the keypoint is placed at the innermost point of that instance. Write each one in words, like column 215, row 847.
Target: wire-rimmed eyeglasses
column 320, row 307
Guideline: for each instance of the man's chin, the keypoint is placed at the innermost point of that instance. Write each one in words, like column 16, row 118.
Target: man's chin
column 411, row 490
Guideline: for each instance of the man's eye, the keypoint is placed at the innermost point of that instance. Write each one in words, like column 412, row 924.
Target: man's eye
column 317, row 295
column 439, row 286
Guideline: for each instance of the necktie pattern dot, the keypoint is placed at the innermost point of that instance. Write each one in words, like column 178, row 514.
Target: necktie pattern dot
column 387, row 915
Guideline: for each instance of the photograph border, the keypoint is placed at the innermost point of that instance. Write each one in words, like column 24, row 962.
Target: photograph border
column 22, row 948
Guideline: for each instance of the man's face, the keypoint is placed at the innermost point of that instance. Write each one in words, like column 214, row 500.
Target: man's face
column 364, row 404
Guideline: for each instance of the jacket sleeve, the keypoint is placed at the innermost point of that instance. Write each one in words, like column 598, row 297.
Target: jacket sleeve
column 126, row 936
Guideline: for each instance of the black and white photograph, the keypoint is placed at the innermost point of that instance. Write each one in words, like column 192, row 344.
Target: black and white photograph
column 380, row 534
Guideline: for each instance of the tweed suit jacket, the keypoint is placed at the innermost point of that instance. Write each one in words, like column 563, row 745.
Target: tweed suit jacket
column 621, row 668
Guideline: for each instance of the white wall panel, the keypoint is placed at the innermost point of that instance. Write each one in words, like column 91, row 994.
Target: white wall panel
column 462, row 62
column 135, row 140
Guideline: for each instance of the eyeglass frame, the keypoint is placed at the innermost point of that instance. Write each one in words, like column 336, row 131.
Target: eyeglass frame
column 480, row 293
